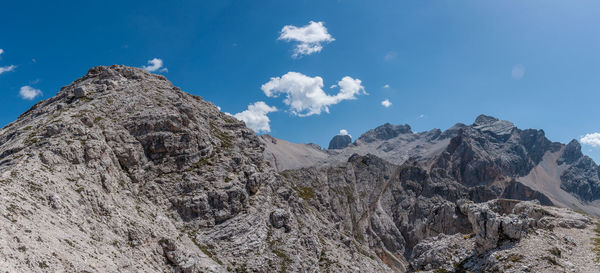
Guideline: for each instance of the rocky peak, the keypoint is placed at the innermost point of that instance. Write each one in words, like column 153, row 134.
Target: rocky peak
column 340, row 142
column 571, row 153
column 385, row 132
column 123, row 154
column 493, row 125
column 484, row 120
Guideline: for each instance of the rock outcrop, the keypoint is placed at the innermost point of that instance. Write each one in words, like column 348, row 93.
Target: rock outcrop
column 340, row 142
column 512, row 236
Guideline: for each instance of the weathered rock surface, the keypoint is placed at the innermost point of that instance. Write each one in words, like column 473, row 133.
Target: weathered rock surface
column 340, row 142
column 123, row 172
column 513, row 236
column 491, row 154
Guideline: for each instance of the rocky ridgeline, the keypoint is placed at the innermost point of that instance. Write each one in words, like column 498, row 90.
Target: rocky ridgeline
column 123, row 172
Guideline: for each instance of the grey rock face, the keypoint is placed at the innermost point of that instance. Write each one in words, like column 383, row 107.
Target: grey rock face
column 493, row 125
column 340, row 142
column 518, row 191
column 511, row 236
column 135, row 175
column 494, row 221
column 582, row 175
column 79, row 92
column 280, row 219
column 441, row 252
column 571, row 154
column 384, row 132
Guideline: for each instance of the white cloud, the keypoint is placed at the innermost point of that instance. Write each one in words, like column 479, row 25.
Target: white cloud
column 27, row 92
column 344, row 132
column 422, row 116
column 390, row 56
column 305, row 95
column 7, row 68
column 155, row 64
column 309, row 37
column 386, row 103
column 592, row 139
column 386, row 86
column 518, row 71
column 256, row 116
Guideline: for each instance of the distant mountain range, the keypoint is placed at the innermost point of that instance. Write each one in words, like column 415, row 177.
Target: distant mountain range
column 490, row 154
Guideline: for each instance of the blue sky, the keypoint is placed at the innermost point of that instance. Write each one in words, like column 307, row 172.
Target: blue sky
column 535, row 63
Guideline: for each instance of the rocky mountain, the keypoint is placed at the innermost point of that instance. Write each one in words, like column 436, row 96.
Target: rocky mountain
column 491, row 155
column 123, row 172
column 340, row 142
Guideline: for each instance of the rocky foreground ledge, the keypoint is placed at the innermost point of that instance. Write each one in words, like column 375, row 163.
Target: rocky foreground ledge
column 514, row 236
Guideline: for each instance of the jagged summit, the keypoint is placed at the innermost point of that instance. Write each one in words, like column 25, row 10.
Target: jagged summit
column 384, row 132
column 484, row 119
column 493, row 125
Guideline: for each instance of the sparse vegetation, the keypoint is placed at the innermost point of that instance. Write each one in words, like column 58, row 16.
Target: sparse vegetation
column 226, row 140
column 85, row 99
column 305, row 192
column 469, row 236
column 596, row 242
column 208, row 250
column 513, row 257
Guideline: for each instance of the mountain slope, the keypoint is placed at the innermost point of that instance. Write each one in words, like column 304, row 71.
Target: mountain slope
column 490, row 153
column 123, row 172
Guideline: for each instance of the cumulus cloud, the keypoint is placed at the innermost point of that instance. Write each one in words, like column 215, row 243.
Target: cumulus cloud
column 256, row 116
column 1, row 51
column 386, row 86
column 592, row 139
column 386, row 103
column 305, row 96
column 344, row 132
column 28, row 93
column 155, row 65
column 518, row 71
column 309, row 38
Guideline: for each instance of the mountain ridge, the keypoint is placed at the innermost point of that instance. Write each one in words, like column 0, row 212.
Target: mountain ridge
column 121, row 171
